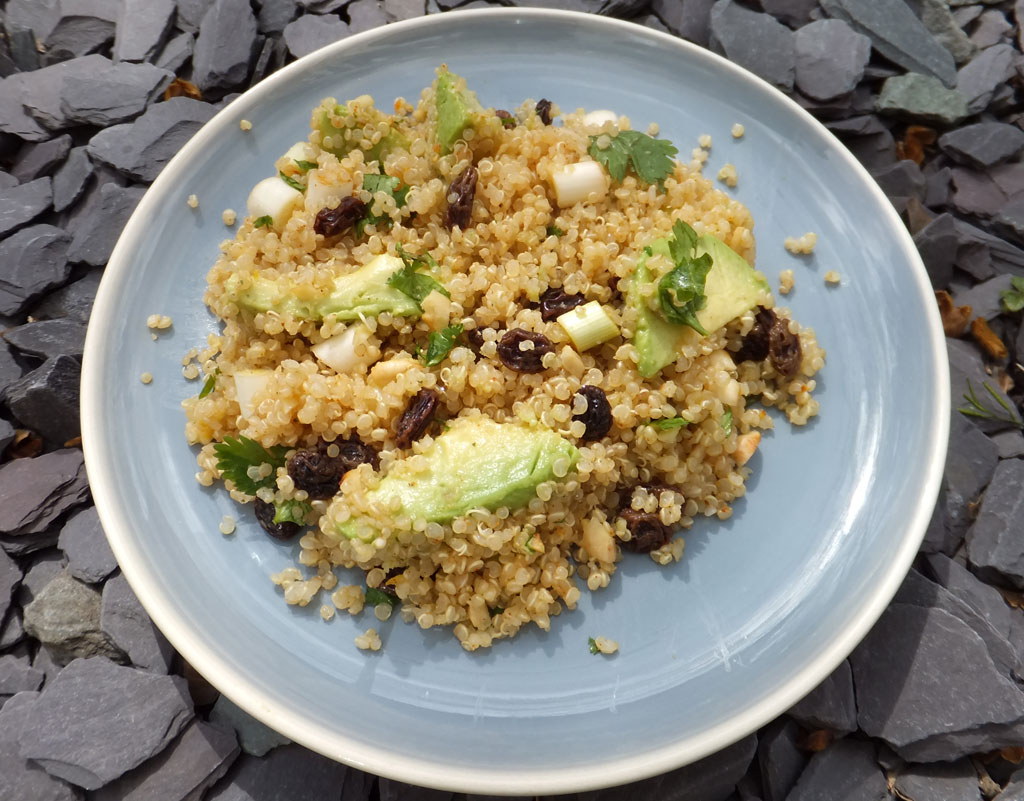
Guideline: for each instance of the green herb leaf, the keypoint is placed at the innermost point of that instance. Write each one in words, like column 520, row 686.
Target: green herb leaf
column 650, row 159
column 208, row 385
column 379, row 182
column 291, row 512
column 291, row 182
column 727, row 422
column 496, row 610
column 305, row 166
column 236, row 456
column 976, row 408
column 681, row 290
column 263, row 222
column 440, row 344
column 415, row 284
column 667, row 423
column 554, row 230
column 1013, row 298
column 592, row 645
column 375, row 597
column 423, row 260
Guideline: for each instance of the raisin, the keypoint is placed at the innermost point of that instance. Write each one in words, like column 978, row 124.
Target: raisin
column 598, row 416
column 332, row 222
column 464, row 189
column 784, row 349
column 475, row 338
column 279, row 531
column 523, row 361
column 317, row 473
column 755, row 343
column 543, row 110
column 416, row 417
column 649, row 533
column 556, row 301
column 354, row 452
column 506, row 118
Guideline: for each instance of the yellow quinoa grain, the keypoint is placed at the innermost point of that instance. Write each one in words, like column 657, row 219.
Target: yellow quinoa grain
column 832, row 277
column 245, row 125
column 146, row 378
column 193, row 201
column 737, row 130
column 727, row 175
column 228, row 216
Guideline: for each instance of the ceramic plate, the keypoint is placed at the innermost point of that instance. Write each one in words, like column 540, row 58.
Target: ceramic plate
column 761, row 608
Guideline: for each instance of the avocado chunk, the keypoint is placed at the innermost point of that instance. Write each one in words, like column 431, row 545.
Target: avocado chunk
column 457, row 110
column 363, row 293
column 477, row 463
column 732, row 287
column 341, row 139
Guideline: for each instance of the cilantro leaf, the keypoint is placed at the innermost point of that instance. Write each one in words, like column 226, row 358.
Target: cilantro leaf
column 263, row 222
column 650, row 159
column 208, row 385
column 667, row 423
column 291, row 182
column 305, row 166
column 423, row 260
column 681, row 290
column 291, row 512
column 440, row 344
column 413, row 283
column 380, row 182
column 727, row 422
column 1013, row 298
column 236, row 456
column 375, row 597
column 554, row 230
column 592, row 645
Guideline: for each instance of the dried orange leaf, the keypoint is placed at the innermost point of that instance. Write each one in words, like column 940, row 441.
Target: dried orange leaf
column 914, row 140
column 181, row 88
column 954, row 318
column 817, row 740
column 987, row 338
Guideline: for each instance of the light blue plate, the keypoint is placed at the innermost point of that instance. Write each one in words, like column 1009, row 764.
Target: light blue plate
column 762, row 607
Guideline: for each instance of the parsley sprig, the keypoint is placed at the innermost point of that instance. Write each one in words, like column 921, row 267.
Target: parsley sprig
column 236, row 456
column 294, row 184
column 263, row 222
column 592, row 645
column 649, row 158
column 376, row 597
column 681, row 290
column 380, row 182
column 305, row 166
column 976, row 408
column 209, row 384
column 410, row 281
column 440, row 344
column 1013, row 298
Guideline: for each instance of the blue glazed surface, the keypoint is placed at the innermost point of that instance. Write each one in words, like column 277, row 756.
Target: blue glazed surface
column 762, row 606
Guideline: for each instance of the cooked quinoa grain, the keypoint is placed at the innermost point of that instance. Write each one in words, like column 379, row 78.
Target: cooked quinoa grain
column 738, row 130
column 801, row 245
column 832, row 277
column 245, row 125
column 728, row 176
column 228, row 216
column 146, row 378
column 785, row 282
column 605, row 466
column 193, row 202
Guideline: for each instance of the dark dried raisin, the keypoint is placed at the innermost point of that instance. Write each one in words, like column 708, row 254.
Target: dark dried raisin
column 319, row 474
column 279, row 531
column 416, row 417
column 554, row 302
column 543, row 110
column 464, row 189
column 598, row 416
column 332, row 222
column 648, row 532
column 784, row 349
column 755, row 344
column 523, row 361
column 506, row 118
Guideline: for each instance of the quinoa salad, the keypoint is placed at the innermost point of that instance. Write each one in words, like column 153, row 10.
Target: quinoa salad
column 482, row 355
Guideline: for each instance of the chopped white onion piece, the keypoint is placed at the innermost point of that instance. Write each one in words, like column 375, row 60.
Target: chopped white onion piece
column 249, row 384
column 320, row 194
column 575, row 182
column 301, row 151
column 588, row 325
column 347, row 351
column 273, row 198
column 599, row 117
column 597, row 538
column 437, row 310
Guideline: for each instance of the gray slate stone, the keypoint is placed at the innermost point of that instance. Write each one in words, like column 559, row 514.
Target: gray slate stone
column 902, row 179
column 23, row 50
column 978, row 80
column 976, row 193
column 940, row 22
column 32, row 262
column 982, row 598
column 85, row 26
column 44, row 568
column 922, row 97
column 44, row 339
column 70, row 180
column 73, row 302
column 111, row 93
column 983, row 144
column 85, row 545
column 191, row 13
column 176, row 52
column 20, row 778
column 43, row 90
column 1014, row 789
column 19, row 205
column 897, row 34
column 38, row 491
column 780, row 758
column 690, row 19
column 275, row 16
column 401, row 10
column 1009, row 219
column 142, row 148
column 994, row 547
column 755, row 41
column 126, row 623
column 142, row 27
column 914, row 655
column 7, row 180
column 845, row 771
column 255, row 738
column 1010, row 443
column 225, row 45
column 992, row 28
column 311, row 32
column 971, row 460
column 184, row 770
column 71, row 733
column 95, row 238
column 830, row 58
column 12, row 631
column 40, row 159
column 984, row 298
column 6, row 429
column 10, row 578
column 17, row 676
column 14, row 117
column 390, row 790
column 365, row 15
column 937, row 244
column 39, row 16
column 957, row 780
column 830, row 705
column 46, row 399
column 285, row 774
column 65, row 617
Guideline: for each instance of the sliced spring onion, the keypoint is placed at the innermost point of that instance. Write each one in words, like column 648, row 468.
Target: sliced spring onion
column 342, row 352
column 249, row 384
column 588, row 325
column 575, row 182
column 273, row 198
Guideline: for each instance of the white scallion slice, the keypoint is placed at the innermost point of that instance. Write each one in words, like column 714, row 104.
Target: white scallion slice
column 599, row 117
column 249, row 384
column 273, row 198
column 575, row 182
column 347, row 351
column 588, row 325
column 301, row 151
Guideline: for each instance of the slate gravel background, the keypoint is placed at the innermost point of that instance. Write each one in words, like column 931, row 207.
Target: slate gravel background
column 94, row 704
